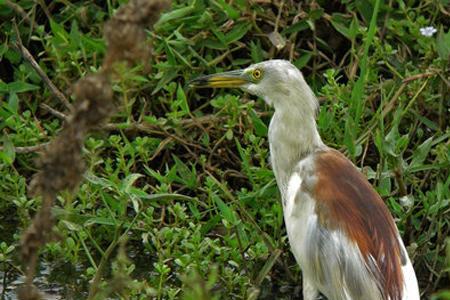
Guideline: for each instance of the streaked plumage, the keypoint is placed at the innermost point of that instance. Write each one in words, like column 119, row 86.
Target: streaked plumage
column 340, row 230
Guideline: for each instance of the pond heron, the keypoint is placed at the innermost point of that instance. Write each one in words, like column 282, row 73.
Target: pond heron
column 340, row 231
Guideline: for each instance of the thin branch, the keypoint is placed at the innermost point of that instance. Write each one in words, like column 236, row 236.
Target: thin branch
column 27, row 55
column 151, row 128
column 94, row 288
column 53, row 111
column 28, row 149
column 111, row 126
column 444, row 79
column 418, row 76
column 19, row 10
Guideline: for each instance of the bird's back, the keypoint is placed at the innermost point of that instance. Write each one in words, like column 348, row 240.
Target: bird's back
column 342, row 233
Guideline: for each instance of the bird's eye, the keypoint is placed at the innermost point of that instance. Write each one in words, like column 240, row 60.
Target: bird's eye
column 257, row 74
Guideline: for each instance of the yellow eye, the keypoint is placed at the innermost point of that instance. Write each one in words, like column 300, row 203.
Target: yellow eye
column 257, row 74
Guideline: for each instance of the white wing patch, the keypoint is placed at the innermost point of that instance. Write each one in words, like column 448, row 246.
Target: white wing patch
column 297, row 213
column 328, row 259
column 337, row 266
column 411, row 288
column 293, row 187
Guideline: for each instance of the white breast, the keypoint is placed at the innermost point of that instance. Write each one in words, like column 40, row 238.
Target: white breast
column 298, row 214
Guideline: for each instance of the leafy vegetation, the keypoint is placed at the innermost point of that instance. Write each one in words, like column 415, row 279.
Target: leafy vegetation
column 179, row 200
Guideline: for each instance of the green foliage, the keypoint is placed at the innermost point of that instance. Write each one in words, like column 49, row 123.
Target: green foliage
column 183, row 176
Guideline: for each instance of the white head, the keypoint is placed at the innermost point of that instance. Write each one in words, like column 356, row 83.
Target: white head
column 277, row 81
column 292, row 130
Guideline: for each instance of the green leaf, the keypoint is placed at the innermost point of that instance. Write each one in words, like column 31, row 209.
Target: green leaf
column 316, row 13
column 237, row 33
column 303, row 60
column 95, row 46
column 128, row 182
column 421, row 153
column 260, row 127
column 349, row 136
column 213, row 44
column 166, row 197
column 427, row 122
column 365, row 8
column 60, row 34
column 136, row 203
column 297, row 27
column 339, row 23
column 443, row 295
column 8, row 154
column 354, row 28
column 75, row 36
column 176, row 14
column 3, row 49
column 71, row 226
column 187, row 177
column 104, row 183
column 384, row 185
column 256, row 52
column 358, row 89
column 267, row 266
column 227, row 213
column 13, row 103
column 344, row 26
column 443, row 44
column 21, row 87
column 229, row 134
column 4, row 87
column 167, row 76
column 228, row 9
column 13, row 56
column 100, row 221
column 210, row 224
column 390, row 142
column 181, row 96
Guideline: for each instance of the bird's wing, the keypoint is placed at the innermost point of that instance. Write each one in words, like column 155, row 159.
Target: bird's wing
column 349, row 211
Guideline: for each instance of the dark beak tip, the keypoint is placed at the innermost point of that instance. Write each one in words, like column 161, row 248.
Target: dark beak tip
column 197, row 82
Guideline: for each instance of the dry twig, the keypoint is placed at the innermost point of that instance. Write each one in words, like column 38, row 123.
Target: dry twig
column 27, row 55
column 29, row 149
column 61, row 163
column 19, row 10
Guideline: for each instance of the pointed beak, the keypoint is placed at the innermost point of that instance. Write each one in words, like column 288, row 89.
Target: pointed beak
column 232, row 79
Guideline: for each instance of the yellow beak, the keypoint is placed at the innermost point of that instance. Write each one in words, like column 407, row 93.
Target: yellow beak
column 230, row 79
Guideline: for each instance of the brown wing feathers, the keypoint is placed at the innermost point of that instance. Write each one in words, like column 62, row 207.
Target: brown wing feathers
column 346, row 201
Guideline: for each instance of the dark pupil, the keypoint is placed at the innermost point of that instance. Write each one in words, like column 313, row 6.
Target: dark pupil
column 257, row 74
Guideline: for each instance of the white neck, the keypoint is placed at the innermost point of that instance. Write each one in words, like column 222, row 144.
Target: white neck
column 292, row 136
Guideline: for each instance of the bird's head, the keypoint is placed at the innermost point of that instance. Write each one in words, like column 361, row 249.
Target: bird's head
column 277, row 81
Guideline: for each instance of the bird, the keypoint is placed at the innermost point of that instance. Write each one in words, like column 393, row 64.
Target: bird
column 340, row 231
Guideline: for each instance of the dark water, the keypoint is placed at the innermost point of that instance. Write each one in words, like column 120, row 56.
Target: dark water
column 57, row 280
column 55, row 283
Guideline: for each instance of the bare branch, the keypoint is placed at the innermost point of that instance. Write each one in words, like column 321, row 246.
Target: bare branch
column 28, row 149
column 53, row 111
column 19, row 10
column 27, row 55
